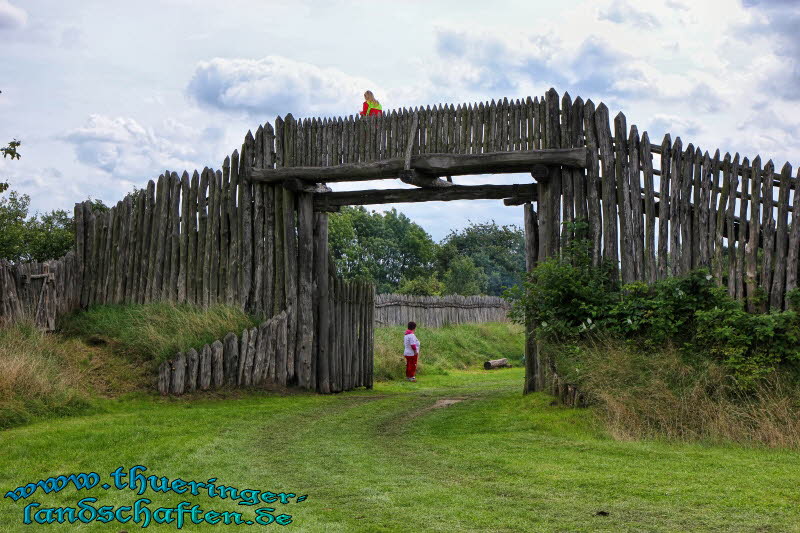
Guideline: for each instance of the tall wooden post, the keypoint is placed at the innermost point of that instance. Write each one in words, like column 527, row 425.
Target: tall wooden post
column 531, row 256
column 321, row 275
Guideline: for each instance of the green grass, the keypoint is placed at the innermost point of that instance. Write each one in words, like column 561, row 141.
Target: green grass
column 448, row 348
column 156, row 331
column 384, row 460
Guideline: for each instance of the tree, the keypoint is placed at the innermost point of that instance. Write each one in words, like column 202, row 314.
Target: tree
column 464, row 277
column 11, row 150
column 498, row 250
column 422, row 286
column 380, row 247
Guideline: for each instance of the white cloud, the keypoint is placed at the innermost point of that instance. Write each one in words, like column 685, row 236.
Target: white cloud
column 125, row 149
column 11, row 16
column 622, row 12
column 275, row 85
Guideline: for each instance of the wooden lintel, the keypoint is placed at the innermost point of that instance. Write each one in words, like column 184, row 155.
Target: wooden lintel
column 430, row 165
column 413, row 178
column 333, row 200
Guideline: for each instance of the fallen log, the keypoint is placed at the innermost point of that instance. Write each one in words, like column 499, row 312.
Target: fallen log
column 496, row 363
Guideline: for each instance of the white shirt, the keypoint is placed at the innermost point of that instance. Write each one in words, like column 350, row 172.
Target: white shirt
column 408, row 340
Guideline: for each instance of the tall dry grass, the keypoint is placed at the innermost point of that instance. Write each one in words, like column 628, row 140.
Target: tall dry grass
column 37, row 378
column 663, row 395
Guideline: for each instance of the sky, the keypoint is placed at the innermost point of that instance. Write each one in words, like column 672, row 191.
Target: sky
column 105, row 95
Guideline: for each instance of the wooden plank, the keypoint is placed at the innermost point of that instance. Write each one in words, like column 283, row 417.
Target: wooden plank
column 225, row 295
column 244, row 342
column 637, row 226
column 156, row 261
column 178, row 374
column 305, row 314
column 701, row 207
column 164, row 378
column 767, row 236
column 686, row 214
column 281, row 350
column 201, row 276
column 714, row 210
column 676, row 174
column 622, row 172
column 290, row 277
column 732, row 180
column 149, row 242
column 204, row 369
column 609, row 196
column 175, row 236
column 741, row 248
column 192, row 279
column 259, row 250
column 751, row 250
column 183, row 268
column 192, row 370
column 646, row 156
column 321, row 274
column 246, row 206
column 217, row 364
column 234, row 253
column 793, row 252
column 592, row 181
column 567, row 190
column 250, row 356
column 279, row 302
column 579, row 178
column 260, row 356
column 721, row 210
column 131, row 259
column 231, row 359
column 269, row 371
column 777, row 290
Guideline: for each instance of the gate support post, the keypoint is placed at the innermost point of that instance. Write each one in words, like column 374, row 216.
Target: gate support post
column 532, row 363
column 321, row 304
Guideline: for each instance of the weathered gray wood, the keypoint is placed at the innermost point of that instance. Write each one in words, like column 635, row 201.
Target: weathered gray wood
column 269, row 371
column 279, row 238
column 592, row 186
column 183, row 253
column 192, row 370
column 496, row 363
column 676, row 173
column 260, row 357
column 625, row 219
column 751, row 250
column 701, row 204
column 290, row 278
column 217, row 364
column 149, row 241
column 230, row 359
column 776, row 296
column 321, row 276
column 281, row 347
column 305, row 267
column 164, row 378
column 246, row 207
column 733, row 252
column 431, row 164
column 178, row 374
column 793, row 253
column 269, row 226
column 249, row 357
column 687, row 215
column 258, row 247
column 235, row 260
column 157, row 247
column 204, row 370
column 192, row 279
column 664, row 206
column 175, row 236
column 714, row 213
column 767, row 236
column 212, row 238
column 244, row 342
column 567, row 192
column 637, row 226
column 742, row 246
column 646, row 155
column 609, row 195
column 225, row 294
column 329, row 201
column 201, row 263
column 721, row 211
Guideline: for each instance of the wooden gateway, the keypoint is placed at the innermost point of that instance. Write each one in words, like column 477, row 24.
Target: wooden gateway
column 255, row 233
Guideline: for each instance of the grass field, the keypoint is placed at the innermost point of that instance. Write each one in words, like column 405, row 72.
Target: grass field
column 387, row 460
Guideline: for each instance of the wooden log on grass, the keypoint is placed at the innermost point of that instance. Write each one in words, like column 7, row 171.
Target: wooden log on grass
column 496, row 363
column 178, row 374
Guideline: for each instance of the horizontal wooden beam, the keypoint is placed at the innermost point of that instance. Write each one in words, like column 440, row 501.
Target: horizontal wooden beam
column 430, row 165
column 330, row 201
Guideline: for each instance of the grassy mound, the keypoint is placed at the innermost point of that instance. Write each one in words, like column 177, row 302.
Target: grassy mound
column 102, row 352
column 454, row 347
column 155, row 331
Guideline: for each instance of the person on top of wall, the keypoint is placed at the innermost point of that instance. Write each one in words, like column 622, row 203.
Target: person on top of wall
column 371, row 105
column 411, row 351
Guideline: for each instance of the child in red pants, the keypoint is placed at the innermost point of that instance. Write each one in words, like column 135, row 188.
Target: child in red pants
column 411, row 351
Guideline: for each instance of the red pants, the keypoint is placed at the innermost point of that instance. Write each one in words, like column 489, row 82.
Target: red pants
column 411, row 365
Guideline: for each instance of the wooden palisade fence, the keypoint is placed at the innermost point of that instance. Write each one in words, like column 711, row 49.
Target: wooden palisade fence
column 654, row 209
column 437, row 311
